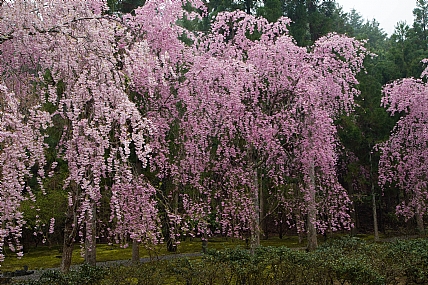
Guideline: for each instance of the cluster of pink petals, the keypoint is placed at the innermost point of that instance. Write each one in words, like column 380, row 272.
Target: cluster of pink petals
column 224, row 119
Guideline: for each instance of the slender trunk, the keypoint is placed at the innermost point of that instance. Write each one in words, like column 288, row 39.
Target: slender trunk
column 376, row 228
column 135, row 243
column 263, row 216
column 90, row 241
column 248, row 6
column 67, row 252
column 67, row 249
column 420, row 221
column 135, row 251
column 375, row 225
column 312, row 212
column 353, row 213
column 312, row 231
column 255, row 232
column 301, row 231
column 280, row 226
column 204, row 241
column 299, row 219
column 171, row 244
column 70, row 230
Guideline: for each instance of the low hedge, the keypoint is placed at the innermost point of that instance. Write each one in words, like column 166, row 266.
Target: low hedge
column 341, row 261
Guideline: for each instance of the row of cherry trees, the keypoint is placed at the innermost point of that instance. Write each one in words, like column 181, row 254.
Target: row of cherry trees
column 238, row 122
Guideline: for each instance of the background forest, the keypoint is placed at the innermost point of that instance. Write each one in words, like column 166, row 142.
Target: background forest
column 151, row 122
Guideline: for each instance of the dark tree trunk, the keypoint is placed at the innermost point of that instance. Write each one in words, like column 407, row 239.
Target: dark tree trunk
column 67, row 252
column 204, row 241
column 135, row 251
column 353, row 213
column 255, row 231
column 70, row 230
column 312, row 213
column 420, row 221
column 375, row 225
column 90, row 241
column 248, row 6
column 263, row 222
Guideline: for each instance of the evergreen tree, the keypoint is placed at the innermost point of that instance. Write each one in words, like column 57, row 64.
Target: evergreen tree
column 124, row 6
column 312, row 19
column 271, row 10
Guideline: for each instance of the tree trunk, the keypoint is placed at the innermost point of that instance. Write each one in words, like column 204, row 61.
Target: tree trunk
column 70, row 230
column 255, row 232
column 312, row 212
column 90, row 241
column 375, row 226
column 312, row 231
column 353, row 213
column 171, row 244
column 204, row 241
column 262, row 215
column 420, row 221
column 300, row 230
column 67, row 249
column 248, row 6
column 135, row 251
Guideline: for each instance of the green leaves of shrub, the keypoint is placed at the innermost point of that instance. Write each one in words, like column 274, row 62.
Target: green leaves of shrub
column 84, row 275
column 342, row 261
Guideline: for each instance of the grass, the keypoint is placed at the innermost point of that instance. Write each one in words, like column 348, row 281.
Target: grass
column 43, row 257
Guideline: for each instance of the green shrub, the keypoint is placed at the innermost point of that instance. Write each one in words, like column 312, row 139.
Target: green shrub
column 85, row 275
column 342, row 261
column 152, row 273
column 409, row 258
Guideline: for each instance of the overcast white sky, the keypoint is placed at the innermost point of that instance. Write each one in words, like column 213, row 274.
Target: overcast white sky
column 386, row 12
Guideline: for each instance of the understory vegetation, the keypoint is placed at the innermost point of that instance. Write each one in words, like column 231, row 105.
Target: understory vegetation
column 339, row 261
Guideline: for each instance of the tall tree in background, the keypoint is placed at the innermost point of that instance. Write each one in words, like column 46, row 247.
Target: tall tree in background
column 420, row 24
column 285, row 111
column 370, row 124
column 409, row 42
column 271, row 10
column 124, row 6
column 217, row 6
column 404, row 155
column 313, row 19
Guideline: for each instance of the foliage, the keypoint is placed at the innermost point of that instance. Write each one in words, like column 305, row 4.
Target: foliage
column 409, row 258
column 152, row 273
column 84, row 275
column 344, row 260
column 404, row 155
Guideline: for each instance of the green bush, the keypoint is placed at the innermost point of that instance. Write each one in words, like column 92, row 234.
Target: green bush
column 342, row 261
column 409, row 258
column 152, row 273
column 85, row 275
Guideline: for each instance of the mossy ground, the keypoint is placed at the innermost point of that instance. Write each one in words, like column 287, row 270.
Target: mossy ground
column 43, row 257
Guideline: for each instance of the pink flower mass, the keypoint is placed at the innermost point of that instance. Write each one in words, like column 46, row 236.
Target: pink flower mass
column 194, row 135
column 403, row 163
